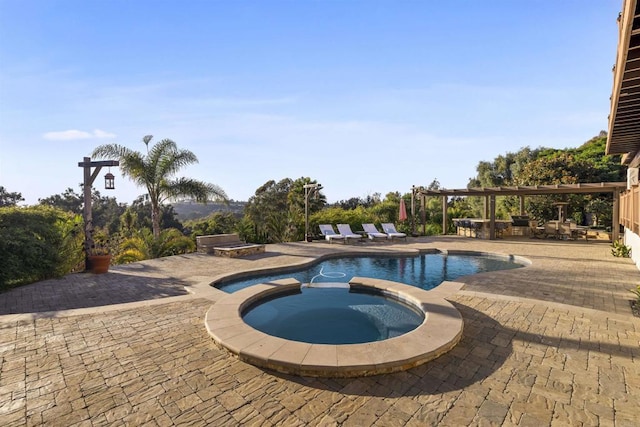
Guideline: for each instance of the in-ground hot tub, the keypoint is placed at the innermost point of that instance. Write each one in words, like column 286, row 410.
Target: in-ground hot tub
column 333, row 313
column 438, row 332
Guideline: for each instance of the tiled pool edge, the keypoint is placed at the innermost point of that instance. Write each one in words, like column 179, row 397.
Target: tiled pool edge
column 439, row 333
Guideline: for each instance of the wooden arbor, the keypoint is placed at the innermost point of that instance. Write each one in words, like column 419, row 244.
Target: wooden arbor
column 490, row 194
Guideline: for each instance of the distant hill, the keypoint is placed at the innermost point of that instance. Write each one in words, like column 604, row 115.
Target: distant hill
column 186, row 210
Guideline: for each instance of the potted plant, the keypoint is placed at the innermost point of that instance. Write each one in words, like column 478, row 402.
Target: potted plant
column 99, row 256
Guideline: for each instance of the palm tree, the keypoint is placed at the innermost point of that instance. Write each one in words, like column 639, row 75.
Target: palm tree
column 155, row 171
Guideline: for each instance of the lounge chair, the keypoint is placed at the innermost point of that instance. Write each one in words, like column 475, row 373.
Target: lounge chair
column 372, row 232
column 329, row 233
column 391, row 231
column 345, row 231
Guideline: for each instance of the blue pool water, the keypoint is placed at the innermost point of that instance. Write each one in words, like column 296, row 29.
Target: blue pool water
column 332, row 316
column 425, row 271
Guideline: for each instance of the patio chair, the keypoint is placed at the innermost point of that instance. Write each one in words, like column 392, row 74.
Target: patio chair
column 391, row 231
column 577, row 231
column 372, row 232
column 551, row 230
column 345, row 231
column 476, row 229
column 534, row 231
column 500, row 228
column 329, row 233
column 564, row 231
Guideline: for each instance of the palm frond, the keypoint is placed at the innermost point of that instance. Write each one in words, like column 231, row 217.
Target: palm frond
column 200, row 191
column 173, row 162
column 111, row 150
column 131, row 162
column 130, row 255
column 172, row 242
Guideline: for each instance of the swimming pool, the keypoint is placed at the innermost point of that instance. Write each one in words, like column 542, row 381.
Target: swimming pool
column 425, row 271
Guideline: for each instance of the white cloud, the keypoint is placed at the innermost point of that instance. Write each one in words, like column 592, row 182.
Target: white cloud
column 66, row 135
column 72, row 134
column 97, row 133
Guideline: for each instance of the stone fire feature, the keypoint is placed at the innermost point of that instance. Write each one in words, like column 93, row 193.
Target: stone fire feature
column 227, row 245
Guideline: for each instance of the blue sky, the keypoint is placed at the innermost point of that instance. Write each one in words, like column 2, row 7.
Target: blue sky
column 363, row 96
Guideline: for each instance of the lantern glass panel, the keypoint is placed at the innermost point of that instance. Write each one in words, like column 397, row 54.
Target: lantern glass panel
column 109, row 181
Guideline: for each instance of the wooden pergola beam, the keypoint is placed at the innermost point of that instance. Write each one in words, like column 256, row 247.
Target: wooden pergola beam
column 490, row 194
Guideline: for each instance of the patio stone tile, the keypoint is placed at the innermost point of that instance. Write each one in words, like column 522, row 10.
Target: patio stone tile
column 554, row 343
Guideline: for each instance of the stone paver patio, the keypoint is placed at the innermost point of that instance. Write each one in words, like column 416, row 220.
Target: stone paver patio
column 554, row 343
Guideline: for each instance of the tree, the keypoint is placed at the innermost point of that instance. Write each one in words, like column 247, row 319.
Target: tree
column 275, row 212
column 141, row 206
column 503, row 169
column 106, row 210
column 544, row 166
column 215, row 223
column 155, row 171
column 69, row 201
column 354, row 202
column 128, row 223
column 9, row 199
column 268, row 211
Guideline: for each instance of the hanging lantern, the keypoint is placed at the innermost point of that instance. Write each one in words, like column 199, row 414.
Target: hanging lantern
column 109, row 181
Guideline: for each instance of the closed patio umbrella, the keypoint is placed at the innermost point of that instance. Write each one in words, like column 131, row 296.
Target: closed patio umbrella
column 402, row 214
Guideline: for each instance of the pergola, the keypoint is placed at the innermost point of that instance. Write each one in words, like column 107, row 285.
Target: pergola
column 490, row 194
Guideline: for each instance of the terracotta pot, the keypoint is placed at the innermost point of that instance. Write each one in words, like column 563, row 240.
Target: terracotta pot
column 99, row 264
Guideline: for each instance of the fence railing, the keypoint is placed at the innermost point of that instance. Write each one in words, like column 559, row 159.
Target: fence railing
column 630, row 209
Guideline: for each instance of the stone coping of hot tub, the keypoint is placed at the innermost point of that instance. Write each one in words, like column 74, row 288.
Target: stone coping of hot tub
column 439, row 332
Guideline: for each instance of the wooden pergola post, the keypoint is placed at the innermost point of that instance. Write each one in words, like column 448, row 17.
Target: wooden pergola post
column 423, row 214
column 413, row 208
column 492, row 217
column 444, row 214
column 486, row 207
column 615, row 217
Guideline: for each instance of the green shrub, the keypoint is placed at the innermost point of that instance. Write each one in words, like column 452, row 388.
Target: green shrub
column 38, row 243
column 335, row 215
column 143, row 245
column 636, row 292
column 433, row 229
column 619, row 249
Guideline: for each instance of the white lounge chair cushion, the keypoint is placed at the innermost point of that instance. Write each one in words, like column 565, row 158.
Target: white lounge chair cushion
column 345, row 230
column 390, row 229
column 329, row 233
column 372, row 231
